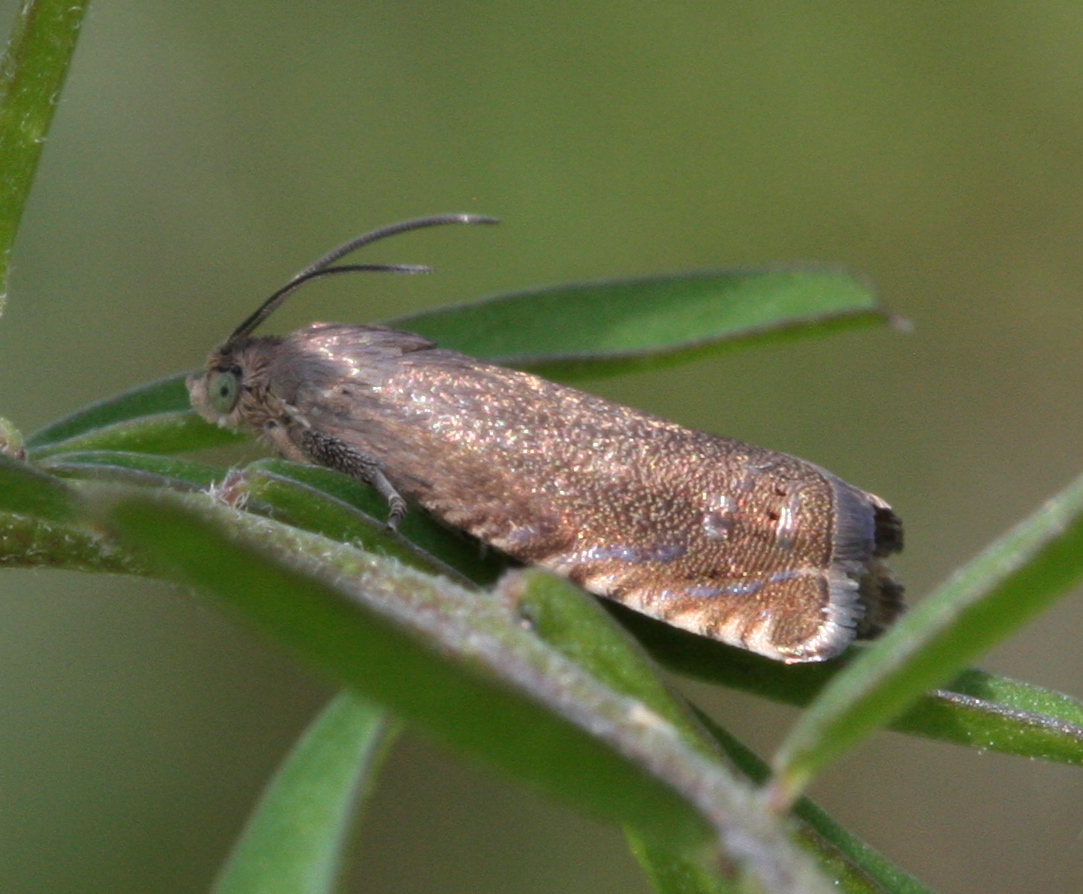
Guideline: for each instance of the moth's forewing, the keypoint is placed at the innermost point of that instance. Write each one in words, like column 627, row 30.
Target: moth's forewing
column 742, row 544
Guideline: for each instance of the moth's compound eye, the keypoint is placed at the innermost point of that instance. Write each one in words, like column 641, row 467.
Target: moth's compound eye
column 223, row 390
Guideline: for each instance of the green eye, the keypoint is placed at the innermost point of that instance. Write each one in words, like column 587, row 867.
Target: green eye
column 223, row 390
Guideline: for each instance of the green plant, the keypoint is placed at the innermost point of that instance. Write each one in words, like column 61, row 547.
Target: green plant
column 571, row 704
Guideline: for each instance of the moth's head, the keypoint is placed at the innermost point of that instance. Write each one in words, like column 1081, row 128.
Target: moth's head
column 215, row 391
column 223, row 392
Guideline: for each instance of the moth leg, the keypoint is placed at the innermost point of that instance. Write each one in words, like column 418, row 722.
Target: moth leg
column 395, row 502
column 279, row 435
column 336, row 454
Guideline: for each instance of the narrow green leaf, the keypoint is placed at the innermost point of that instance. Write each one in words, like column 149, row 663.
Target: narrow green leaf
column 41, row 525
column 856, row 866
column 675, row 873
column 577, row 625
column 153, row 418
column 976, row 709
column 615, row 325
column 26, row 491
column 1015, row 695
column 132, row 468
column 294, row 842
column 994, row 713
column 461, row 665
column 32, row 73
column 1011, row 581
column 27, row 542
column 178, row 432
column 164, row 396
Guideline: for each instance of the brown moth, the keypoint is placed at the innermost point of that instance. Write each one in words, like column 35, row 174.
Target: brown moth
column 738, row 543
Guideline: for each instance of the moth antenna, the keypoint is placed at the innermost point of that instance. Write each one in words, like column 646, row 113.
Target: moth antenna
column 418, row 223
column 269, row 306
column 323, row 267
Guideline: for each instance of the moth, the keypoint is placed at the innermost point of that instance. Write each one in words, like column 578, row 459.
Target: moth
column 742, row 544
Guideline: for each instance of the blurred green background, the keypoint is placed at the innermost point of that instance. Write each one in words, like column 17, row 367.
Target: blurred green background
column 203, row 152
